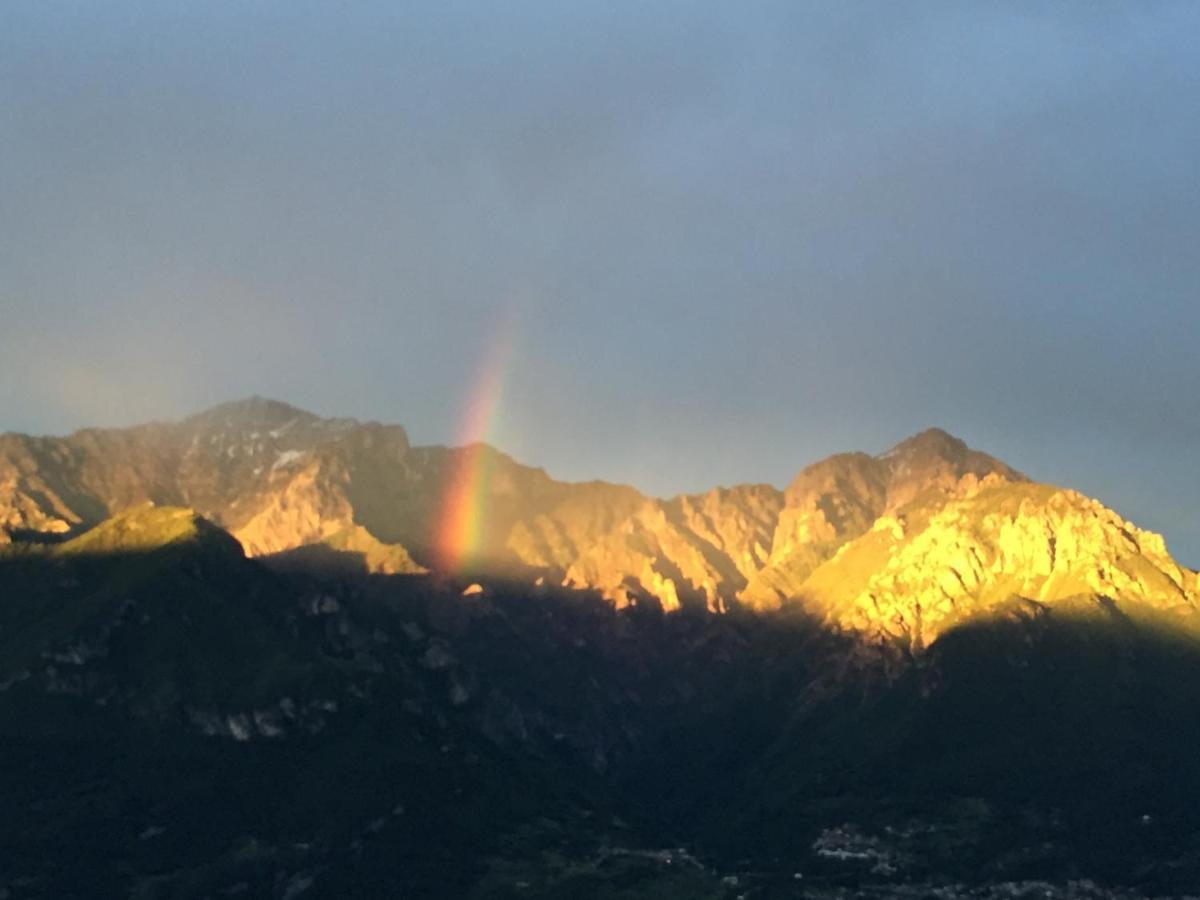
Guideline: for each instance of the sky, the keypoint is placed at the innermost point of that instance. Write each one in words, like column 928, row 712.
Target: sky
column 722, row 240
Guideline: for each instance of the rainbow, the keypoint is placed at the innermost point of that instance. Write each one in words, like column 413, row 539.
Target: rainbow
column 460, row 531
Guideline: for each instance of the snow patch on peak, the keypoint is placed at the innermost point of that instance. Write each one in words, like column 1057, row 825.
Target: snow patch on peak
column 287, row 458
column 283, row 429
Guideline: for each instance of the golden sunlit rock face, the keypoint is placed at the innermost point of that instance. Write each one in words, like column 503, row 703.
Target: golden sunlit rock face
column 902, row 547
column 919, row 575
column 839, row 499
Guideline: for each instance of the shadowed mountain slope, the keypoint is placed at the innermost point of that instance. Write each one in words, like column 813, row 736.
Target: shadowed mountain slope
column 180, row 720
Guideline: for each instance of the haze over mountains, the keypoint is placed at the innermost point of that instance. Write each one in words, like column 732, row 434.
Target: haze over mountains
column 903, row 545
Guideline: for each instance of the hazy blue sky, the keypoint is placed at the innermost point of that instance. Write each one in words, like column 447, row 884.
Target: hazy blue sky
column 733, row 239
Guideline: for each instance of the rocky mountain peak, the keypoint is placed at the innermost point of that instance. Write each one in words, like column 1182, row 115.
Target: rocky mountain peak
column 932, row 441
column 251, row 412
column 936, row 461
column 936, row 451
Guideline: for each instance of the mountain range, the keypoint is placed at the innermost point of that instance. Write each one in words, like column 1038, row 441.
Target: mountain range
column 238, row 657
column 903, row 545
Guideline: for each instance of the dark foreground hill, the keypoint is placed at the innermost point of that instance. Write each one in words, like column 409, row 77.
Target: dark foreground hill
column 178, row 720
